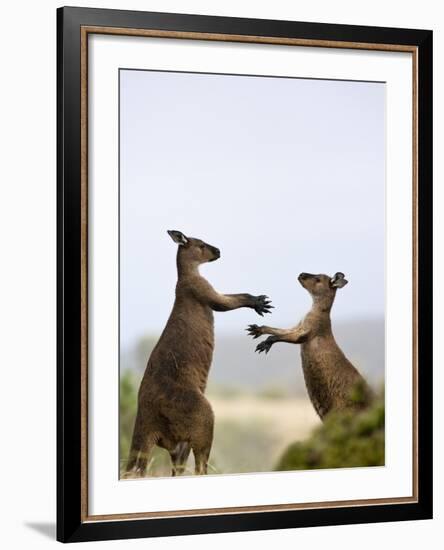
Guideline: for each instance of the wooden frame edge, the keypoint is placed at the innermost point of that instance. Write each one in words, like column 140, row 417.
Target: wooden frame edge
column 84, row 271
column 252, row 39
column 85, row 31
column 415, row 242
column 250, row 509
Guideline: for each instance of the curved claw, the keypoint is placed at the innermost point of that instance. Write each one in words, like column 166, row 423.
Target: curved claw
column 263, row 305
column 265, row 346
column 254, row 331
column 260, row 348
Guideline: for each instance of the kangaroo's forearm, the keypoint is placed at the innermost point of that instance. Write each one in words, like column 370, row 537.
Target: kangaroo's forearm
column 228, row 302
column 281, row 332
column 290, row 336
column 295, row 337
column 206, row 294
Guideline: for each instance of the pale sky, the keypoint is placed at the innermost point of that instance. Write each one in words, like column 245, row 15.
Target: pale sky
column 283, row 175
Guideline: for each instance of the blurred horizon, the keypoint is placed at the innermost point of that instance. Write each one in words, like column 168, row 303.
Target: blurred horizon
column 236, row 368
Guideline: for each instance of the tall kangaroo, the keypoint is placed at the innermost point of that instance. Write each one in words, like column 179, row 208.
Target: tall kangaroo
column 329, row 376
column 173, row 412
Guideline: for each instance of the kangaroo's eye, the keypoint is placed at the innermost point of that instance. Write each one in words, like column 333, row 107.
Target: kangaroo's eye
column 202, row 246
column 317, row 279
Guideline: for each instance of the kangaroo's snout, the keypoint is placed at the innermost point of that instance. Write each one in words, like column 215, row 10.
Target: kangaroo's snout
column 216, row 253
column 306, row 279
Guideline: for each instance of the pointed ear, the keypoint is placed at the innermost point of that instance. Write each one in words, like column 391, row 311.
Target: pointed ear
column 177, row 237
column 338, row 280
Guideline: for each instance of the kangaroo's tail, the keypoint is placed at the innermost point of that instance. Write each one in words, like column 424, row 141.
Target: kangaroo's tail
column 142, row 444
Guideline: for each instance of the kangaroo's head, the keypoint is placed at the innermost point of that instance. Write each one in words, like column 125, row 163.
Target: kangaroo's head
column 322, row 287
column 193, row 252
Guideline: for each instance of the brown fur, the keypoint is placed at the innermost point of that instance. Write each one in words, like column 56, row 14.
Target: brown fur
column 173, row 411
column 330, row 378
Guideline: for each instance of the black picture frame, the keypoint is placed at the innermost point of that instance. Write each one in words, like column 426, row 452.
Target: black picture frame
column 71, row 523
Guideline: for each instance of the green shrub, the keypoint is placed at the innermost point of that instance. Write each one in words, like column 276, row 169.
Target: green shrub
column 127, row 411
column 346, row 439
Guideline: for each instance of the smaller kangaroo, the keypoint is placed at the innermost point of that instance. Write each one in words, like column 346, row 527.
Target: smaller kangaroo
column 329, row 376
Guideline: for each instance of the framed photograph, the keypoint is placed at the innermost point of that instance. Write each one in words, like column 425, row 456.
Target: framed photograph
column 244, row 274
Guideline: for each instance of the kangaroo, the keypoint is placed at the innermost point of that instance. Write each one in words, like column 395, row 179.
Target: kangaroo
column 173, row 411
column 329, row 376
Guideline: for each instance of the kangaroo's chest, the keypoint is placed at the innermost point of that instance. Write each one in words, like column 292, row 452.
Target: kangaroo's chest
column 317, row 369
column 184, row 352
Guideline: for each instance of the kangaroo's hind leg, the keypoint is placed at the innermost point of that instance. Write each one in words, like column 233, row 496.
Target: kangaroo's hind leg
column 179, row 457
column 203, row 437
